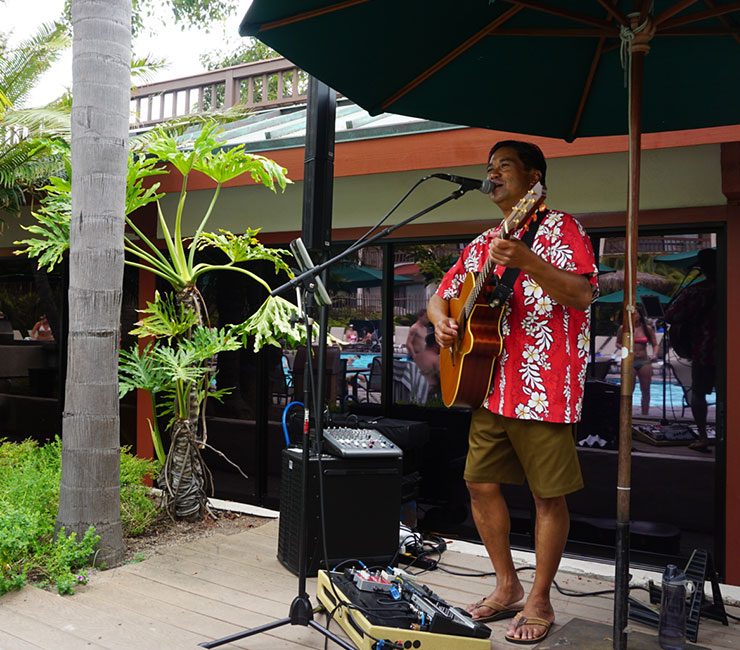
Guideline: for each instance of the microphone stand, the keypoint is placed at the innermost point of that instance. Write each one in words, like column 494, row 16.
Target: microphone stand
column 301, row 611
column 664, row 419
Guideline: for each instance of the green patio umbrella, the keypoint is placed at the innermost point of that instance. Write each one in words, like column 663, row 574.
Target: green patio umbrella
column 558, row 62
column 558, row 68
column 357, row 276
column 684, row 260
column 618, row 296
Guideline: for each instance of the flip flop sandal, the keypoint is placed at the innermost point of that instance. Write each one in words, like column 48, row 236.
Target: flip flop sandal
column 500, row 612
column 529, row 620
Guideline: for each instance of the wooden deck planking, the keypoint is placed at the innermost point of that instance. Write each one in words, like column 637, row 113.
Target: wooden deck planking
column 20, row 631
column 223, row 584
column 208, row 618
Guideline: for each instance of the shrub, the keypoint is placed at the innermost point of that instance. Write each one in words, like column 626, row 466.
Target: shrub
column 29, row 497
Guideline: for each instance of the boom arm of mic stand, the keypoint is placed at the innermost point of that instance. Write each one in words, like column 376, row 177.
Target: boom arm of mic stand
column 310, row 273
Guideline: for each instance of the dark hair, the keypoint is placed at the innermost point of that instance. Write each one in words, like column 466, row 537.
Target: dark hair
column 529, row 153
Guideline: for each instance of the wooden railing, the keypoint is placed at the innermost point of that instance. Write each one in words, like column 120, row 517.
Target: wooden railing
column 657, row 245
column 263, row 84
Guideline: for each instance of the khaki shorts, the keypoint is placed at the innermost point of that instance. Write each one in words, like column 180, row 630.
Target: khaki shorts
column 507, row 450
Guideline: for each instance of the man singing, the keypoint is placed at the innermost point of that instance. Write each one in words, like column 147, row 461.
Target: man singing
column 524, row 429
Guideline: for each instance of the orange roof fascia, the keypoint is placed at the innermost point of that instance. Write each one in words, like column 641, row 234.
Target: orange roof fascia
column 451, row 148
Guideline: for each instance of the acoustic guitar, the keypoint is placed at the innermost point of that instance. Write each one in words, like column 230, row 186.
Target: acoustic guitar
column 466, row 367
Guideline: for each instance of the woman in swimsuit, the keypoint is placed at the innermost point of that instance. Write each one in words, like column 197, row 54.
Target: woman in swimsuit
column 644, row 334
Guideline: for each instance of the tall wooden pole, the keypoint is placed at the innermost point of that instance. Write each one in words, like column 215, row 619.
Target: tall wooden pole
column 639, row 48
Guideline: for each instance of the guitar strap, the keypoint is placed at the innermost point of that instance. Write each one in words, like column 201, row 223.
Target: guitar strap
column 504, row 285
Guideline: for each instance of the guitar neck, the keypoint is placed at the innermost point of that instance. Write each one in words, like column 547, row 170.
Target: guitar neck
column 519, row 216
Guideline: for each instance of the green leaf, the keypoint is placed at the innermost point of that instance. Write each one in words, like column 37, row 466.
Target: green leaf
column 165, row 318
column 167, row 148
column 139, row 168
column 244, row 248
column 227, row 164
column 276, row 320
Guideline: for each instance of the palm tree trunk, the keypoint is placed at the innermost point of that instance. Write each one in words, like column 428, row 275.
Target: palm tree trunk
column 90, row 490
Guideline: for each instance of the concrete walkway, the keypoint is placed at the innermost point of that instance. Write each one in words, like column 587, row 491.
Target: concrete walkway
column 223, row 584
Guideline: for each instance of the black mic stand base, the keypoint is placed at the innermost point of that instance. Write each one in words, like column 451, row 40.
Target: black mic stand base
column 301, row 613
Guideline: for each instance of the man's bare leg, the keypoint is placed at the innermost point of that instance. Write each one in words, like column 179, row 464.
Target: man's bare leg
column 491, row 517
column 551, row 533
column 699, row 410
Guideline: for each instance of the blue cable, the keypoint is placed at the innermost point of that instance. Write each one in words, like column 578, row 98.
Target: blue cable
column 285, row 424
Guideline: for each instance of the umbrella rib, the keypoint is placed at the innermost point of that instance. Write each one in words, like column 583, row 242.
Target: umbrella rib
column 715, row 12
column 673, row 10
column 451, row 56
column 310, row 14
column 555, row 32
column 725, row 21
column 587, row 86
column 591, row 74
column 730, row 30
column 614, row 12
column 562, row 13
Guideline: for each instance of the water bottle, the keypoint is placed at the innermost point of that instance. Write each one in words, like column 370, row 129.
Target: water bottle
column 672, row 627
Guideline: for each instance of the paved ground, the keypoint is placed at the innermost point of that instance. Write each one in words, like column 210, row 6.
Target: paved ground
column 218, row 586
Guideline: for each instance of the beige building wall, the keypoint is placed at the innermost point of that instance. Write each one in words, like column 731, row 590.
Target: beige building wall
column 676, row 177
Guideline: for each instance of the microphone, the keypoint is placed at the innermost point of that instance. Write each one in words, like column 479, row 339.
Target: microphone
column 484, row 186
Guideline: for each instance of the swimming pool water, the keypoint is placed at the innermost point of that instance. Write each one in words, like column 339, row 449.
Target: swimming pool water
column 673, row 395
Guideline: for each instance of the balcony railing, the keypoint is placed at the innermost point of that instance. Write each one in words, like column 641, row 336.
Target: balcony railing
column 263, row 84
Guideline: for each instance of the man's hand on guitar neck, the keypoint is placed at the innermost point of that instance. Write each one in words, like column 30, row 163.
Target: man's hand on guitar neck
column 445, row 328
column 511, row 253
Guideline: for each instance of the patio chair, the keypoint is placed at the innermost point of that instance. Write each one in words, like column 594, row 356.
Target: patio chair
column 373, row 384
column 681, row 369
column 281, row 382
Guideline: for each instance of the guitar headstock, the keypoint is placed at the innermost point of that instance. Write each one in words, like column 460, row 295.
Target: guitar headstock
column 523, row 209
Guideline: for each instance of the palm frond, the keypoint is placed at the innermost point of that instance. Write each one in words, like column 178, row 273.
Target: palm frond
column 144, row 67
column 22, row 66
column 37, row 122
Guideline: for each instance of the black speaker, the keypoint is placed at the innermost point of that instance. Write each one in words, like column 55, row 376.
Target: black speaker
column 600, row 411
column 318, row 167
column 362, row 503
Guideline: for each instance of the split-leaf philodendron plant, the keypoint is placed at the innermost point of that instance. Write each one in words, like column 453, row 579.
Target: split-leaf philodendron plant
column 174, row 367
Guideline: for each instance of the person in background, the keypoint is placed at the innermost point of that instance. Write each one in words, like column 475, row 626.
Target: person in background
column 695, row 309
column 350, row 334
column 643, row 362
column 428, row 363
column 41, row 331
column 416, row 339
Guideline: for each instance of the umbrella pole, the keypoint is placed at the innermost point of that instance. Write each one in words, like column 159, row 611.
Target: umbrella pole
column 621, row 596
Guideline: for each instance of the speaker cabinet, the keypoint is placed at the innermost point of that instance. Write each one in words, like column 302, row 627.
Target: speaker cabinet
column 362, row 502
column 600, row 412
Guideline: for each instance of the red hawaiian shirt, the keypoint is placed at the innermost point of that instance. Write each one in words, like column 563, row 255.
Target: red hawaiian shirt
column 542, row 367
